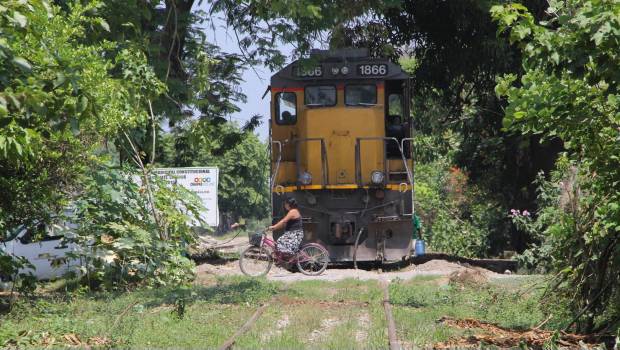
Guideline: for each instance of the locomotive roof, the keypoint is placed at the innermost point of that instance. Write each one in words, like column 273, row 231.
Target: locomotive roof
column 357, row 62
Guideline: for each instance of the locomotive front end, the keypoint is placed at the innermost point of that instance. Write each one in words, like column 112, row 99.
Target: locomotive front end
column 340, row 134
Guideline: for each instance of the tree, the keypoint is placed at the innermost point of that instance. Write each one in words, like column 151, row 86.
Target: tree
column 58, row 102
column 261, row 26
column 244, row 168
column 202, row 82
column 457, row 62
column 65, row 92
column 570, row 90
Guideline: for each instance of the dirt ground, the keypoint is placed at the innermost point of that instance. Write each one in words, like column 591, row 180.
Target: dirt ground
column 434, row 268
column 232, row 245
column 431, row 268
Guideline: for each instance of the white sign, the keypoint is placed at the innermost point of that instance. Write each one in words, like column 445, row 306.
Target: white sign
column 202, row 181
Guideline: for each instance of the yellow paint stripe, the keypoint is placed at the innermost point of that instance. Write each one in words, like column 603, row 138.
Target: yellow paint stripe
column 288, row 189
column 397, row 187
column 344, row 187
column 284, row 189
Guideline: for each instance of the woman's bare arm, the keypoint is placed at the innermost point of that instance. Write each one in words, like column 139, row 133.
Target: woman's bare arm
column 282, row 222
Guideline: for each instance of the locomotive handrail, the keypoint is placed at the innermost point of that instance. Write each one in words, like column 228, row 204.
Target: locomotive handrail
column 409, row 172
column 358, row 160
column 274, row 176
column 402, row 142
column 401, row 147
column 355, row 212
column 324, row 163
column 358, row 157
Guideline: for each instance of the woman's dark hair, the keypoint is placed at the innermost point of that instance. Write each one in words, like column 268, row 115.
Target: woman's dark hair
column 292, row 202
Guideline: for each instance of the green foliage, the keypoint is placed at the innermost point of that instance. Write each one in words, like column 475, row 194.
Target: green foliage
column 201, row 81
column 59, row 103
column 62, row 107
column 489, row 302
column 66, row 91
column 539, row 257
column 262, row 26
column 571, row 241
column 123, row 243
column 570, row 90
column 454, row 64
column 458, row 217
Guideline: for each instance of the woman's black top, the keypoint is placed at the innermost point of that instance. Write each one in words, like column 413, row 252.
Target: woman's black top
column 293, row 224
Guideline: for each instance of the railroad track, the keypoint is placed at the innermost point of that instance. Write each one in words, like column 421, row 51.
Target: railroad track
column 245, row 327
column 391, row 325
column 393, row 342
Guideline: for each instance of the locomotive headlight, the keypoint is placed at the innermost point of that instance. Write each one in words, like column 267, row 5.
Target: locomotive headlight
column 335, row 70
column 377, row 177
column 305, row 178
column 344, row 70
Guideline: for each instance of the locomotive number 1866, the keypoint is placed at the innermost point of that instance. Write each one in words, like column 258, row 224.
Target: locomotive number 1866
column 372, row 69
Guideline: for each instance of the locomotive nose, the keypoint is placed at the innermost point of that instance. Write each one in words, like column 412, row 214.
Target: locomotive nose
column 340, row 127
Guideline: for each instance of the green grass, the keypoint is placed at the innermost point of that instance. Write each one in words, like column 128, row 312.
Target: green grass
column 310, row 314
column 196, row 317
column 322, row 315
column 419, row 303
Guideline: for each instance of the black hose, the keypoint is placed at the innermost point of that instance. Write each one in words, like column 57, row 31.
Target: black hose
column 357, row 240
column 228, row 241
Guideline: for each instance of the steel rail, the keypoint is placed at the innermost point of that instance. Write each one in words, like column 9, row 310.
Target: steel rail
column 391, row 325
column 246, row 326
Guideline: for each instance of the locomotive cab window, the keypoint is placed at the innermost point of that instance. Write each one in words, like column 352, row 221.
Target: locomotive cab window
column 360, row 95
column 396, row 125
column 286, row 108
column 395, row 105
column 320, row 96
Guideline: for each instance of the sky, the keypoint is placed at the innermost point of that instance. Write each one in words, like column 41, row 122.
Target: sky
column 256, row 80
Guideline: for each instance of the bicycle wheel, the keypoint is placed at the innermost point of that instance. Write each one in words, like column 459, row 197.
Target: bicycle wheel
column 255, row 261
column 312, row 259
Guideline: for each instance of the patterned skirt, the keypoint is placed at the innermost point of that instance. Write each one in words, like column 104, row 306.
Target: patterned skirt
column 290, row 241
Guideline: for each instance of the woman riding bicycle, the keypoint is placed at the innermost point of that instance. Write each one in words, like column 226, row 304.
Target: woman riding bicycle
column 290, row 241
column 311, row 258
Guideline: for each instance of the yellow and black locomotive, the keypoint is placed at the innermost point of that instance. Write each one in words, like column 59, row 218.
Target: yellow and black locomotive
column 340, row 133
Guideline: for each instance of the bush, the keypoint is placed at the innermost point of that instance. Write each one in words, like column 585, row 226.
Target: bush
column 458, row 218
column 65, row 92
column 577, row 239
column 569, row 90
column 126, row 240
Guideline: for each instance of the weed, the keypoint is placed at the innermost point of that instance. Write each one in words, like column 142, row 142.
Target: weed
column 203, row 316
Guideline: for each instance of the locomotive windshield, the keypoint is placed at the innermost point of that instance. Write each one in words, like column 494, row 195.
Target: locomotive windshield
column 320, row 96
column 360, row 95
column 286, row 108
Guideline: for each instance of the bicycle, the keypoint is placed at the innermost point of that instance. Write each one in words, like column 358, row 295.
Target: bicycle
column 257, row 259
